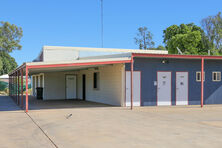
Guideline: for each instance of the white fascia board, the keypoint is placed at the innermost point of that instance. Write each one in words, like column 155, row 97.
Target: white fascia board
column 107, row 49
column 78, row 61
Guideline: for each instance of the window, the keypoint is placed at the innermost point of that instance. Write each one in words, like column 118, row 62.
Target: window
column 216, row 76
column 198, row 76
column 96, row 80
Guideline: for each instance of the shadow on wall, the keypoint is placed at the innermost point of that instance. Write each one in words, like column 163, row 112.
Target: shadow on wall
column 215, row 97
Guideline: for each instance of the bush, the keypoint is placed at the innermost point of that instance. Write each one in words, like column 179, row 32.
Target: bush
column 3, row 85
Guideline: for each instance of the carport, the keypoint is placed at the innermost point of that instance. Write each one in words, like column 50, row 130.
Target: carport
column 28, row 69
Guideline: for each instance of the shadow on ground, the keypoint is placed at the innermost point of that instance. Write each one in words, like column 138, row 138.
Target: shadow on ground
column 8, row 104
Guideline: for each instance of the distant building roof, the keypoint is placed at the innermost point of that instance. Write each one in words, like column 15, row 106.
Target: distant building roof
column 4, row 76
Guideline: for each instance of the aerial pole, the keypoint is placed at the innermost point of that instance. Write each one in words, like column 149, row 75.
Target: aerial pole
column 102, row 23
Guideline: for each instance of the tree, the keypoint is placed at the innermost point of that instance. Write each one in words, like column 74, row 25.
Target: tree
column 8, row 63
column 10, row 36
column 160, row 47
column 144, row 38
column 212, row 25
column 189, row 38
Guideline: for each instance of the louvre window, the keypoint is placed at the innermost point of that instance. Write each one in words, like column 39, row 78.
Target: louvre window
column 198, row 76
column 216, row 76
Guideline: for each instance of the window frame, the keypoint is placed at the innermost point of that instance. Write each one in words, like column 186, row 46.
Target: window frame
column 199, row 72
column 216, row 72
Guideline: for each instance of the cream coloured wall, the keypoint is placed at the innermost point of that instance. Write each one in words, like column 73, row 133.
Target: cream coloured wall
column 111, row 88
column 111, row 85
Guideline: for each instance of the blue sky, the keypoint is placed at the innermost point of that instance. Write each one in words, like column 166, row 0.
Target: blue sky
column 77, row 22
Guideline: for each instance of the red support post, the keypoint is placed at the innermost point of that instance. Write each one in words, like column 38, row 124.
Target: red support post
column 13, row 86
column 202, row 81
column 22, row 87
column 16, row 87
column 26, row 92
column 18, row 97
column 131, row 73
column 10, row 89
column 9, row 85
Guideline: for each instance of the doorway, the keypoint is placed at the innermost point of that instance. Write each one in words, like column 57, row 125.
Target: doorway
column 164, row 88
column 136, row 88
column 181, row 88
column 84, row 87
column 70, row 86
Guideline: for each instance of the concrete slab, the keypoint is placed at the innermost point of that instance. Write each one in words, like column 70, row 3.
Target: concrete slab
column 156, row 127
column 16, row 128
column 87, row 126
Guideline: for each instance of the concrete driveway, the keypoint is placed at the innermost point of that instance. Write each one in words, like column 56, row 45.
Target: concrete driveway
column 102, row 126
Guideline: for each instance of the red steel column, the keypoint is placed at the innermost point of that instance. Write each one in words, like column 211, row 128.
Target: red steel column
column 18, row 97
column 202, row 81
column 16, row 85
column 12, row 86
column 10, row 91
column 13, row 79
column 16, row 78
column 9, row 85
column 26, row 86
column 131, row 73
column 21, row 87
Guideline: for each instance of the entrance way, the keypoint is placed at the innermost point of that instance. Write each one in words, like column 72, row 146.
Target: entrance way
column 84, row 87
column 181, row 88
column 164, row 88
column 70, row 86
column 136, row 88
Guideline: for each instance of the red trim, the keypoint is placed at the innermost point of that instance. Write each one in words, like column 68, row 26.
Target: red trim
column 175, row 56
column 77, row 64
column 187, row 87
column 140, row 85
column 157, row 86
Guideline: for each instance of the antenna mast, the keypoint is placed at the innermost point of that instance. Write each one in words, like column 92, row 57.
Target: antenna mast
column 102, row 23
